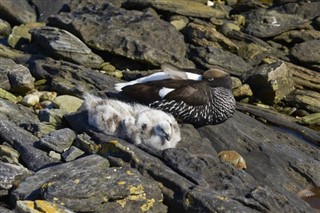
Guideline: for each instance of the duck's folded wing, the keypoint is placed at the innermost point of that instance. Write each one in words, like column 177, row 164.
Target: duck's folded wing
column 190, row 94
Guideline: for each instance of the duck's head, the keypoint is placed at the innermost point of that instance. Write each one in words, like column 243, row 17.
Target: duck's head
column 217, row 78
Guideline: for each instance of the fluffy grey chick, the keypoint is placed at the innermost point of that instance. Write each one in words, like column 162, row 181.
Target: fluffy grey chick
column 108, row 115
column 155, row 128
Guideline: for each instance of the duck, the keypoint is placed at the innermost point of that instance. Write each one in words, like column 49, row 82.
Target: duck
column 191, row 95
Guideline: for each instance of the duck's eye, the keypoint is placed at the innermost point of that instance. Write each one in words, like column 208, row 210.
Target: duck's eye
column 210, row 79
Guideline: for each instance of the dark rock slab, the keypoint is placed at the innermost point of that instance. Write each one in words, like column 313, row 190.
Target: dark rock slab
column 17, row 12
column 6, row 64
column 264, row 23
column 305, row 99
column 253, row 50
column 307, row 10
column 297, row 36
column 72, row 79
column 273, row 158
column 61, row 44
column 23, row 141
column 8, row 173
column 48, row 8
column 203, row 35
column 89, row 184
column 29, row 188
column 307, row 52
column 15, row 77
column 182, row 7
column 282, row 121
column 20, row 78
column 5, row 28
column 228, row 186
column 58, row 140
column 271, row 82
column 133, row 34
column 5, row 210
column 209, row 57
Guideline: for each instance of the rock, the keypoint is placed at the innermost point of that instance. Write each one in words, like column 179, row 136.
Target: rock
column 21, row 81
column 8, row 174
column 68, row 103
column 5, row 210
column 17, row 12
column 253, row 50
column 55, row 155
column 20, row 35
column 62, row 44
column 25, row 206
column 271, row 82
column 48, row 8
column 308, row 9
column 59, row 140
column 242, row 92
column 5, row 28
column 89, row 184
column 182, row 7
column 9, row 155
column 18, row 114
column 133, row 34
column 72, row 153
column 297, row 36
column 304, row 99
column 23, row 142
column 84, row 142
column 264, row 23
column 312, row 119
column 209, row 57
column 8, row 96
column 68, row 78
column 234, row 158
column 305, row 78
column 207, row 36
column 6, row 65
column 307, row 52
column 262, row 143
column 30, row 100
column 179, row 22
column 53, row 117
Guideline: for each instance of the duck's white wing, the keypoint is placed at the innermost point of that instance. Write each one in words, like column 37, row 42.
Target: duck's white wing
column 179, row 74
column 153, row 77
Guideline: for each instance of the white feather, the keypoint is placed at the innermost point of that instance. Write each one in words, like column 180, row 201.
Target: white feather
column 153, row 77
column 164, row 91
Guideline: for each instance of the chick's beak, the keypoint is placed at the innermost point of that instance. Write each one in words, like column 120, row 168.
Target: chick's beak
column 168, row 137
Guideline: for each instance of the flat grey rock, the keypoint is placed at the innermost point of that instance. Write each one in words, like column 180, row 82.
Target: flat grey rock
column 59, row 43
column 133, row 34
column 264, row 23
column 23, row 141
column 307, row 52
column 209, row 57
column 17, row 12
column 59, row 140
column 8, row 173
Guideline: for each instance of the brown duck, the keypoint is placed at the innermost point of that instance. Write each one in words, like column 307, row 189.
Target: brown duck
column 193, row 98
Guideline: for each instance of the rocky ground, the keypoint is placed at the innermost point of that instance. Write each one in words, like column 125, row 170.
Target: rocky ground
column 54, row 51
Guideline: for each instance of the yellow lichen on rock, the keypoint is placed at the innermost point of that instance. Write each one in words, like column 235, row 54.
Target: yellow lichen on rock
column 121, row 183
column 234, row 158
column 145, row 207
column 135, row 190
